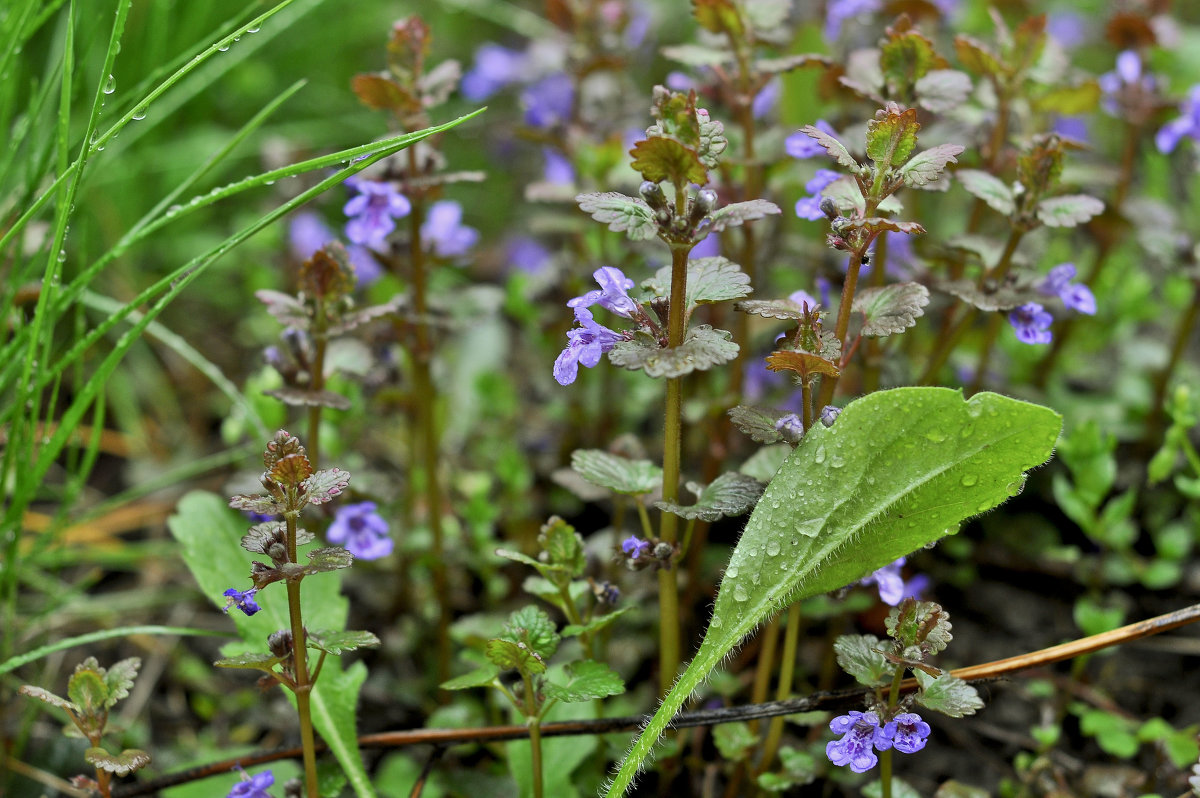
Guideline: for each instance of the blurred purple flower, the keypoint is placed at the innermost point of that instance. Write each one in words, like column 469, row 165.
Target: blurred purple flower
column 862, row 735
column 892, row 587
column 558, row 169
column 810, row 207
column 911, row 733
column 1068, row 28
column 757, row 380
column 495, row 67
column 1075, row 296
column 361, row 530
column 1032, row 323
column 767, row 98
column 1072, row 127
column 838, row 11
column 637, row 25
column 373, row 212
column 612, row 295
column 1127, row 75
column 635, row 547
column 308, row 233
column 585, row 344
column 801, row 145
column 803, row 298
column 243, row 601
column 548, row 102
column 679, row 81
column 1169, row 135
column 444, row 231
column 825, row 289
column 528, row 255
column 709, row 247
column 253, row 787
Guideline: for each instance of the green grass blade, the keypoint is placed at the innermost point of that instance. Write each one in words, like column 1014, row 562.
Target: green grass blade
column 13, row 663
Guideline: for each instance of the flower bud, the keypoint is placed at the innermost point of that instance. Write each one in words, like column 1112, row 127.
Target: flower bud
column 829, row 414
column 829, row 208
column 704, row 204
column 653, row 194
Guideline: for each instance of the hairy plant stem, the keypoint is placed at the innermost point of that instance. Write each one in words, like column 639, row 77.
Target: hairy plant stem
column 668, row 532
column 426, row 412
column 955, row 332
column 787, row 670
column 829, row 384
column 303, row 686
column 885, row 757
column 533, row 721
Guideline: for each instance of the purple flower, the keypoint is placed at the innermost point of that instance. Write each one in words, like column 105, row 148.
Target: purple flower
column 767, row 98
column 253, row 787
column 810, row 207
column 679, row 81
column 1069, row 28
column 259, row 518
column 1072, row 127
column 791, row 425
column 558, row 169
column 243, row 601
column 838, row 11
column 1188, row 125
column 862, row 735
column 801, row 145
column 528, row 255
column 829, row 415
column 1075, row 296
column 585, row 344
column 803, row 298
column 495, row 67
column 444, row 231
column 635, row 547
column 709, row 247
column 613, row 293
column 308, row 233
column 911, row 733
column 1032, row 323
column 373, row 212
column 1127, row 75
column 361, row 530
column 548, row 102
column 892, row 587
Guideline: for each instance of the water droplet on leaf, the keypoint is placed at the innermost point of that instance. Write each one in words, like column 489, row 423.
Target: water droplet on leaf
column 111, row 85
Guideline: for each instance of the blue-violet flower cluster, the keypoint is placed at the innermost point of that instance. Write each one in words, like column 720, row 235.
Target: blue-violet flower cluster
column 362, row 531
column 635, row 547
column 1169, row 136
column 863, row 736
column 1032, row 323
column 373, row 212
column 444, row 232
column 254, row 787
column 1075, row 296
column 585, row 344
column 243, row 601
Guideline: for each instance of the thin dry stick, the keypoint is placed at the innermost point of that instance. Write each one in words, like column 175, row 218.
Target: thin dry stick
column 843, row 699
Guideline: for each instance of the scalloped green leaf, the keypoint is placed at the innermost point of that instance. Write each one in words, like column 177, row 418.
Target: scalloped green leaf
column 1005, row 296
column 891, row 309
column 947, row 694
column 857, row 656
column 1069, row 210
column 119, row 678
column 328, row 558
column 729, row 495
column 738, row 213
column 88, row 692
column 899, row 470
column 942, row 90
column 333, row 641
column 989, row 188
column 45, row 696
column 702, row 348
column 835, row 148
column 588, row 680
column 757, row 422
column 128, row 761
column 325, row 484
column 531, row 626
column 714, row 279
column 892, row 135
column 926, row 166
column 622, row 214
column 659, row 159
column 511, row 655
column 263, row 505
column 480, row 677
column 617, row 473
column 920, row 623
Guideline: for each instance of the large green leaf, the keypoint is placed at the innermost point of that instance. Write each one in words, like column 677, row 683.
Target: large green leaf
column 211, row 536
column 898, row 470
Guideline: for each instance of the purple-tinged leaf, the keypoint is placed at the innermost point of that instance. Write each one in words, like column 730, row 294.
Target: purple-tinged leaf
column 891, row 309
column 926, row 166
column 263, row 505
column 835, row 148
column 892, row 135
column 286, row 309
column 325, row 484
column 659, row 159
